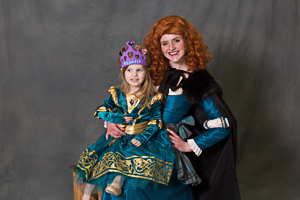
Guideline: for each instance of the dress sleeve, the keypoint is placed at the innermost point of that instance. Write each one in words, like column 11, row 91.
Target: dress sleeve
column 105, row 112
column 154, row 124
column 211, row 136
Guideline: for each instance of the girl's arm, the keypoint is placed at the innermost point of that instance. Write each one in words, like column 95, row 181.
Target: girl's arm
column 154, row 124
column 105, row 112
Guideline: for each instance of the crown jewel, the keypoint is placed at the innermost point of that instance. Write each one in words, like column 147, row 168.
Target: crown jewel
column 137, row 57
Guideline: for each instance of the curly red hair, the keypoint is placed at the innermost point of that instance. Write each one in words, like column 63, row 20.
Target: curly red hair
column 196, row 52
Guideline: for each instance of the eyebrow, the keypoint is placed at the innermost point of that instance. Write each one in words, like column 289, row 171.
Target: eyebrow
column 172, row 39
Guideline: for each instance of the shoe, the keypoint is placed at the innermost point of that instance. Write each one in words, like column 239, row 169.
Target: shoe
column 112, row 190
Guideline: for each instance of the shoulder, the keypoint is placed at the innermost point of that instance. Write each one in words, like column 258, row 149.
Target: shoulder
column 199, row 85
column 113, row 90
column 156, row 97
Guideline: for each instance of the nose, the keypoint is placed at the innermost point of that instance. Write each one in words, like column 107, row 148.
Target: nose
column 172, row 47
column 135, row 73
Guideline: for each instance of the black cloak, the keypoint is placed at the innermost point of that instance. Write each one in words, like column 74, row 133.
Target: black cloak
column 216, row 164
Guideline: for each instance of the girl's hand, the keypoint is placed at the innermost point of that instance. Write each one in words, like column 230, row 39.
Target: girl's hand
column 135, row 142
column 128, row 119
column 179, row 143
column 114, row 130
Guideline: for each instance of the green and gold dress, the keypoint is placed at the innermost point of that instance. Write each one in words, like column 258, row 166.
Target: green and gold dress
column 151, row 162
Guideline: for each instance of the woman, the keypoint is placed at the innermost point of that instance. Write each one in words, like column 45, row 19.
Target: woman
column 178, row 66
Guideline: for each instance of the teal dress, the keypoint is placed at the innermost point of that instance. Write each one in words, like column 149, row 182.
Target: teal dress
column 150, row 164
column 176, row 108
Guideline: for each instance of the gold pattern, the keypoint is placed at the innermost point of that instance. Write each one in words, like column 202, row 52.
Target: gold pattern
column 112, row 142
column 130, row 105
column 145, row 167
column 158, row 96
column 135, row 129
column 113, row 92
column 223, row 123
column 87, row 161
column 154, row 122
column 101, row 109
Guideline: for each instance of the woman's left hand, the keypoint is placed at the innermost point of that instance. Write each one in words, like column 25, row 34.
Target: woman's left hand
column 179, row 143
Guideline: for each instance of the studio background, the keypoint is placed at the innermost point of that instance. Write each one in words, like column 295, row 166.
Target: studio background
column 58, row 59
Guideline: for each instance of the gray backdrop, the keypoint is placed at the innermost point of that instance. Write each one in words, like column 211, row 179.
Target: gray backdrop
column 58, row 59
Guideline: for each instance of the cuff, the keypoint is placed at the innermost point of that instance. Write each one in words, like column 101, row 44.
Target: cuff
column 221, row 122
column 194, row 147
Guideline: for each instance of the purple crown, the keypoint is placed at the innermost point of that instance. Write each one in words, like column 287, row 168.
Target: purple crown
column 137, row 57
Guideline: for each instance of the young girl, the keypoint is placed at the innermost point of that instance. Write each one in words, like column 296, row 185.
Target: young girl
column 145, row 155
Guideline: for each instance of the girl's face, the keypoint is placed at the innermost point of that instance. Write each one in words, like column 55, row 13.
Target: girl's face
column 135, row 76
column 172, row 46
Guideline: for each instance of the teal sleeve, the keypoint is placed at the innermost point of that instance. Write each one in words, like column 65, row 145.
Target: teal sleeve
column 211, row 136
column 152, row 129
column 104, row 111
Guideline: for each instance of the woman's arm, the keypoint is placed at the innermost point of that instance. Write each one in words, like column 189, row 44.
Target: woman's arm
column 212, row 136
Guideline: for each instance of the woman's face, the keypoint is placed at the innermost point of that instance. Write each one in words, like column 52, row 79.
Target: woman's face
column 172, row 46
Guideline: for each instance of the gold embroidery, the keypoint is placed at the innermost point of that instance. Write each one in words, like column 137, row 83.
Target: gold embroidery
column 101, row 109
column 154, row 122
column 114, row 96
column 135, row 129
column 112, row 141
column 160, row 124
column 87, row 161
column 223, row 124
column 145, row 167
column 157, row 97
column 132, row 102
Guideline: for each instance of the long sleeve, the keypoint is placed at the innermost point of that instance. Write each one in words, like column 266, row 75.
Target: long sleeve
column 105, row 112
column 153, row 125
column 211, row 136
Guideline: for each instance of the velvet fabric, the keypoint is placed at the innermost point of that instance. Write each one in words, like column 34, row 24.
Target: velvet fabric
column 216, row 164
column 150, row 163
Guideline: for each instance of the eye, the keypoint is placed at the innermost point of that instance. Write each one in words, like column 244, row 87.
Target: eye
column 129, row 70
column 139, row 70
column 177, row 41
column 164, row 44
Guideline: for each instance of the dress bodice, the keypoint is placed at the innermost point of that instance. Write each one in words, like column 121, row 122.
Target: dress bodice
column 176, row 108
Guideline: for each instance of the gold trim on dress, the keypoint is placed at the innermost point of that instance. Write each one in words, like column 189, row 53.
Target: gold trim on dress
column 144, row 167
column 114, row 96
column 87, row 161
column 132, row 102
column 135, row 129
column 154, row 122
column 101, row 109
column 158, row 96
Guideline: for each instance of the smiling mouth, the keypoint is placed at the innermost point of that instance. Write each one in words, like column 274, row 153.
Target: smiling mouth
column 173, row 53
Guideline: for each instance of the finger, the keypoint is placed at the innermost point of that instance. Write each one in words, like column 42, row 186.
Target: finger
column 120, row 128
column 172, row 132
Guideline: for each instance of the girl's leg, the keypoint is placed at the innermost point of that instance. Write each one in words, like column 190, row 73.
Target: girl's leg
column 88, row 189
column 115, row 188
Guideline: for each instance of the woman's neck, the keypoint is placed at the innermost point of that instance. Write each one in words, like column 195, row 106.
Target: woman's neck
column 180, row 66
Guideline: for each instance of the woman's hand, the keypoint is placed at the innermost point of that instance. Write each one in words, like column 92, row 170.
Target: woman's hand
column 179, row 143
column 114, row 130
column 128, row 119
column 135, row 142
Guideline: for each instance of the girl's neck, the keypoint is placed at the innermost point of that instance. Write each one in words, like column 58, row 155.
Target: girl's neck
column 135, row 91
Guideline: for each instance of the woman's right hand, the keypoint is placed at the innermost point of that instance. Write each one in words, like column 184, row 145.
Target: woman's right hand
column 114, row 130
